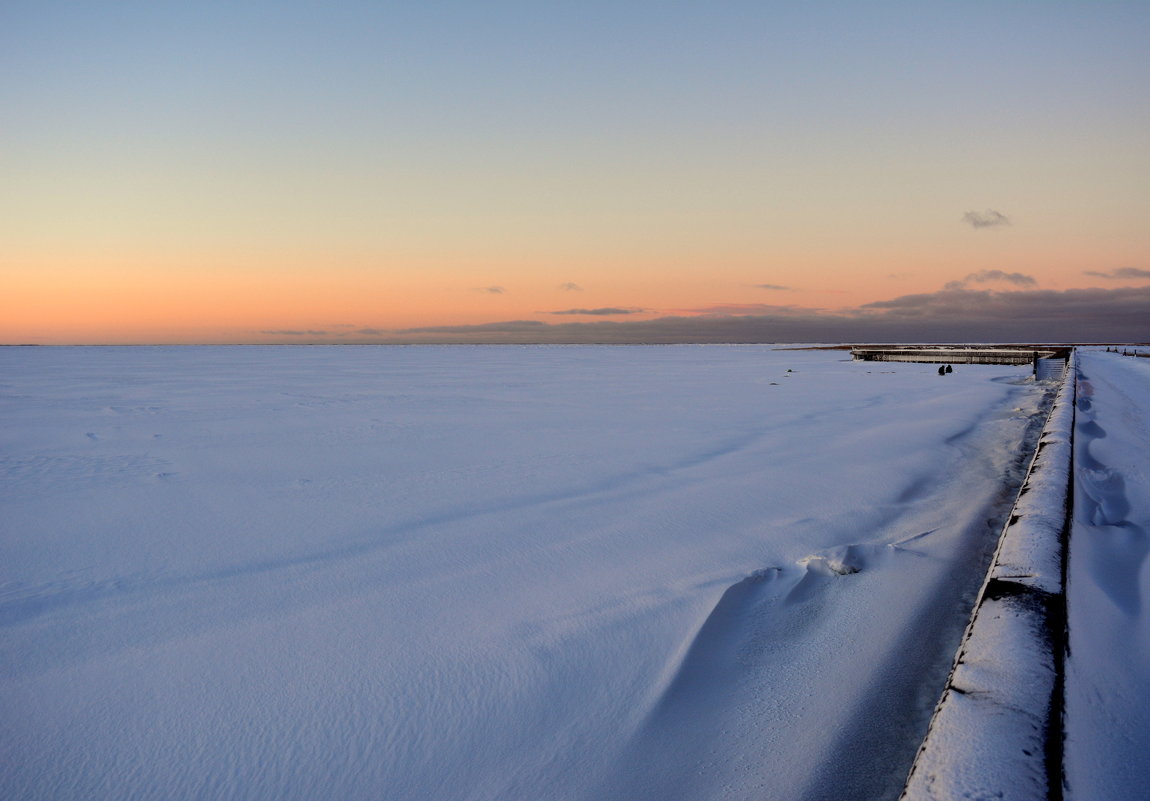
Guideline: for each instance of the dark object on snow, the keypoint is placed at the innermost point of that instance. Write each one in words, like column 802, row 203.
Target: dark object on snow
column 949, row 369
column 941, row 370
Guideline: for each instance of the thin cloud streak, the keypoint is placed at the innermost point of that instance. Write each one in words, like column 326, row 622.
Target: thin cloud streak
column 1122, row 273
column 507, row 327
column 987, row 276
column 774, row 287
column 733, row 309
column 606, row 311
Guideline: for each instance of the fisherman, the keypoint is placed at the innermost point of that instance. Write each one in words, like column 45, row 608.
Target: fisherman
column 941, row 370
column 949, row 369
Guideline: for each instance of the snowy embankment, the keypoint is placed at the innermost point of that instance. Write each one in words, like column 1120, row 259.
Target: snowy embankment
column 997, row 731
column 1108, row 584
column 482, row 572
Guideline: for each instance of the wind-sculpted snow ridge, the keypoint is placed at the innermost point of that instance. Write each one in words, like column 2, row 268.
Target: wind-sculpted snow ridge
column 996, row 732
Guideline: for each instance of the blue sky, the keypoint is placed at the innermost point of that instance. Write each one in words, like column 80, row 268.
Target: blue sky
column 661, row 156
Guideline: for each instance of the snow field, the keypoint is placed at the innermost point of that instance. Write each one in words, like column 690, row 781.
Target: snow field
column 471, row 573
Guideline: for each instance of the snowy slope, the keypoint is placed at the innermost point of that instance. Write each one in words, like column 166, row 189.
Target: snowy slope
column 470, row 573
column 1108, row 583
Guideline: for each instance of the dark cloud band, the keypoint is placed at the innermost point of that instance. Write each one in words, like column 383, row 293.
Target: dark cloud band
column 950, row 315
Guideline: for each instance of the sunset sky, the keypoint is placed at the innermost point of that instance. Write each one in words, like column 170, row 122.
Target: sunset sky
column 558, row 171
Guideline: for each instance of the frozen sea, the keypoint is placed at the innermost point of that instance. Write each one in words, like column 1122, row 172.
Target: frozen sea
column 487, row 572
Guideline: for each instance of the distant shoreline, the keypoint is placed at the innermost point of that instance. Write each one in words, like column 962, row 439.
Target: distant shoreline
column 773, row 345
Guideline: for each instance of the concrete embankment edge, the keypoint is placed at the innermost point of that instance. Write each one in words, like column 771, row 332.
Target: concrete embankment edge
column 997, row 729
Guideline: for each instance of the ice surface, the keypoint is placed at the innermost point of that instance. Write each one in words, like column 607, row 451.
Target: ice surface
column 1108, row 583
column 487, row 572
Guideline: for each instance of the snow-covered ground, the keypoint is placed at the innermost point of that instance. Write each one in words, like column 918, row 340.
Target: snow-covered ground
column 496, row 572
column 1108, row 583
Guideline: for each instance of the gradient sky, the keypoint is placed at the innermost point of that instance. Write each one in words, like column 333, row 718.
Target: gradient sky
column 372, row 171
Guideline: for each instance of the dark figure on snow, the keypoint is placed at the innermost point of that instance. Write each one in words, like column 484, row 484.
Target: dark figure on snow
column 949, row 369
column 941, row 370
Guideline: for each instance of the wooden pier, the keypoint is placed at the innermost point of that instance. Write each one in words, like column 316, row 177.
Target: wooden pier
column 948, row 354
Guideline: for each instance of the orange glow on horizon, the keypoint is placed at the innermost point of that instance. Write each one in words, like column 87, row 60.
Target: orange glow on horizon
column 237, row 297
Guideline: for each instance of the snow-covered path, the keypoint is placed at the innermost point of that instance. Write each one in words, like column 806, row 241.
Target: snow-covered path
column 1108, row 583
column 471, row 573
